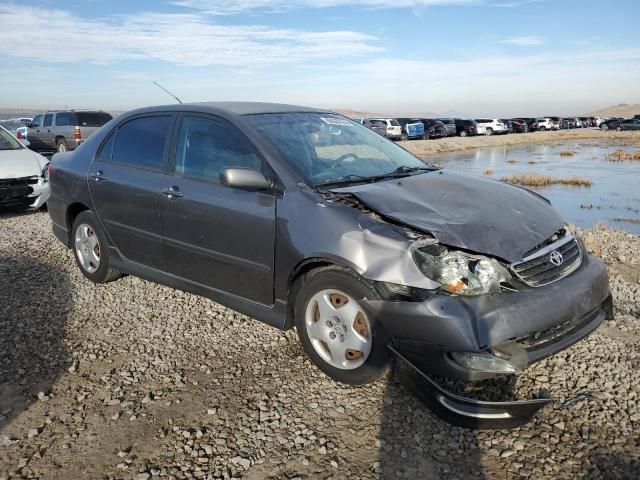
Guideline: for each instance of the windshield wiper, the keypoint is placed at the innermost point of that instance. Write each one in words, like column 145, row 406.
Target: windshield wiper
column 403, row 170
column 344, row 179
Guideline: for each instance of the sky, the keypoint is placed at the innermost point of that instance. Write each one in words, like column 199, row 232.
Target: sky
column 498, row 58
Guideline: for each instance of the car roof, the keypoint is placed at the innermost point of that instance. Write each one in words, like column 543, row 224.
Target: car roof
column 234, row 108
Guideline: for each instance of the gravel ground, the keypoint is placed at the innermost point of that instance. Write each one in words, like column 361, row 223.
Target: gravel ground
column 132, row 380
column 424, row 148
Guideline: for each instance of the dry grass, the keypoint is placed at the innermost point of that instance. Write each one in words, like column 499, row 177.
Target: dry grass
column 567, row 153
column 545, row 180
column 512, row 161
column 621, row 155
column 488, row 171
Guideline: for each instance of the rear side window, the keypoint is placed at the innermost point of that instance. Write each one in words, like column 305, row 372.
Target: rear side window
column 140, row 142
column 48, row 120
column 93, row 119
column 104, row 155
column 395, row 123
column 206, row 146
column 65, row 119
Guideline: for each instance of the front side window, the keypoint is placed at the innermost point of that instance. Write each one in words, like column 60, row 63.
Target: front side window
column 36, row 122
column 65, row 119
column 140, row 142
column 48, row 120
column 206, row 146
column 327, row 148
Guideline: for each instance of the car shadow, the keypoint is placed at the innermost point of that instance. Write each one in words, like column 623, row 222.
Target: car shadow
column 35, row 298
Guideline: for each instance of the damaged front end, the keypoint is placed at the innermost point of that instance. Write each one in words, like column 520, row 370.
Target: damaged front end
column 454, row 313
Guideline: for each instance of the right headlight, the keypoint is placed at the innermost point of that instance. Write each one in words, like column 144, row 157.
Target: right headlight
column 458, row 272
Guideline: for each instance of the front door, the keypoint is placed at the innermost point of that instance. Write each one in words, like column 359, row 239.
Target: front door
column 217, row 236
column 125, row 181
column 34, row 133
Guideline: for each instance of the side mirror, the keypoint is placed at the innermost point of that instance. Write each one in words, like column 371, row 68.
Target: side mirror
column 25, row 142
column 29, row 125
column 246, row 178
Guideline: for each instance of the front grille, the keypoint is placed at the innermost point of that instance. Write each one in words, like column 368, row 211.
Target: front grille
column 14, row 190
column 537, row 269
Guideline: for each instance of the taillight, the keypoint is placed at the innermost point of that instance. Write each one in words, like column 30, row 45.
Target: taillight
column 76, row 133
column 19, row 136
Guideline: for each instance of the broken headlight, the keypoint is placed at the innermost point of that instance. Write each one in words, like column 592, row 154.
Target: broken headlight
column 458, row 272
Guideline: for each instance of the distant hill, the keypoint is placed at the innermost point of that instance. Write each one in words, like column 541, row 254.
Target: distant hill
column 625, row 110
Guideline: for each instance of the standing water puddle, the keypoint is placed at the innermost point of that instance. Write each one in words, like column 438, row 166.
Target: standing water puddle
column 612, row 199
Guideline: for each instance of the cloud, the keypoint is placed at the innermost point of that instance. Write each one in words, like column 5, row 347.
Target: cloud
column 523, row 41
column 179, row 39
column 230, row 7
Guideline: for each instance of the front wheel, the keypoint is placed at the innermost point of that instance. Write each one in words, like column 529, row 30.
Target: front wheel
column 463, row 133
column 90, row 249
column 489, row 131
column 339, row 336
column 618, row 129
column 542, row 129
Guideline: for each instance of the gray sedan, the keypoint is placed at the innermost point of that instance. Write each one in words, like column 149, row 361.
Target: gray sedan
column 303, row 218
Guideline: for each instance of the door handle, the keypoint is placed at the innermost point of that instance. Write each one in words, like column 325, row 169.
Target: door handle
column 172, row 192
column 98, row 176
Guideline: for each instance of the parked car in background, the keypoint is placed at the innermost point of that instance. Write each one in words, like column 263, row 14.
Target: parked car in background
column 609, row 121
column 412, row 128
column 544, row 124
column 22, row 133
column 628, row 124
column 518, row 125
column 466, row 128
column 449, row 125
column 377, row 126
column 369, row 252
column 491, row 126
column 394, row 130
column 64, row 130
column 433, row 128
column 556, row 122
column 586, row 122
column 24, row 175
column 598, row 121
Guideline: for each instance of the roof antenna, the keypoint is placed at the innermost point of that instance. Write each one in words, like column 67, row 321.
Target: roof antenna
column 160, row 86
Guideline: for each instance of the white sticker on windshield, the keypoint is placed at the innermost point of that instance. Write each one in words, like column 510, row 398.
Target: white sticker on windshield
column 341, row 122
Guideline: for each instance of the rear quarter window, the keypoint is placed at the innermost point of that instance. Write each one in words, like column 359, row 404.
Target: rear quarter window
column 140, row 142
column 65, row 119
column 93, row 119
column 395, row 123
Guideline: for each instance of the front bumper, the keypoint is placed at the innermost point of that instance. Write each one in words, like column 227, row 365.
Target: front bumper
column 24, row 195
column 537, row 321
column 540, row 321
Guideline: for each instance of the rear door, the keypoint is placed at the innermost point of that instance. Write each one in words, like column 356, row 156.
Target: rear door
column 220, row 237
column 125, row 180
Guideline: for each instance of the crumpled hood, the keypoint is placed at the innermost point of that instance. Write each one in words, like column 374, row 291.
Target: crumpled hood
column 20, row 163
column 474, row 213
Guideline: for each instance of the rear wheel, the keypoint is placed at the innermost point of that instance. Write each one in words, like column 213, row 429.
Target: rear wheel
column 404, row 136
column 90, row 249
column 542, row 129
column 489, row 131
column 61, row 145
column 618, row 129
column 463, row 133
column 340, row 337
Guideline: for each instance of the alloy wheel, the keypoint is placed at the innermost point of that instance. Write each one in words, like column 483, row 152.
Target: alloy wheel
column 87, row 247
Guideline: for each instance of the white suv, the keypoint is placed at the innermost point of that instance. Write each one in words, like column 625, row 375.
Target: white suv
column 491, row 126
column 545, row 124
column 394, row 130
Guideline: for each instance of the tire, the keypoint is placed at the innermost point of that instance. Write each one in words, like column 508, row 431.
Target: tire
column 61, row 145
column 604, row 127
column 94, row 263
column 425, row 136
column 489, row 132
column 618, row 129
column 542, row 129
column 330, row 289
column 463, row 133
column 404, row 137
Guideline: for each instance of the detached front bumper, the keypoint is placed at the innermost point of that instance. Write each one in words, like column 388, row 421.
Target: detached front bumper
column 529, row 325
column 27, row 192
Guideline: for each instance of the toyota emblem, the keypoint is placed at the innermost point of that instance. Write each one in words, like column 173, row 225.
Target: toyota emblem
column 555, row 257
